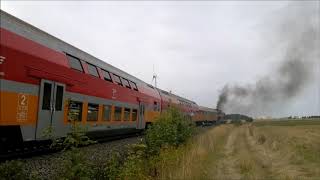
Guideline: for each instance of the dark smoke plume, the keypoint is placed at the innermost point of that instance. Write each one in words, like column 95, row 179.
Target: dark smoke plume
column 296, row 31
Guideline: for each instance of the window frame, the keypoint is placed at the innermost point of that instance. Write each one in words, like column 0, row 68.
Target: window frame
column 155, row 106
column 115, row 80
column 114, row 114
column 80, row 113
column 136, row 112
column 59, row 97
column 126, row 80
column 91, row 120
column 95, row 67
column 107, row 72
column 47, row 96
column 69, row 56
column 133, row 85
column 124, row 114
column 103, row 113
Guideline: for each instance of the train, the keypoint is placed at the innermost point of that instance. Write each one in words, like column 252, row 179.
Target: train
column 46, row 82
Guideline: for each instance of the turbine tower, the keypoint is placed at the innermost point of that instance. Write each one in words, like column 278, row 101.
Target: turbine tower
column 154, row 77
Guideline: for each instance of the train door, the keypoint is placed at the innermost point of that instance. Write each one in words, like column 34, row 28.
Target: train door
column 50, row 112
column 141, row 122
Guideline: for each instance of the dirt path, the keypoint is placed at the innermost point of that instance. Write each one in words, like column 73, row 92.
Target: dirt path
column 241, row 159
column 226, row 167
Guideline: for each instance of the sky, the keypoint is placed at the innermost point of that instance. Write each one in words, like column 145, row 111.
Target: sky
column 195, row 47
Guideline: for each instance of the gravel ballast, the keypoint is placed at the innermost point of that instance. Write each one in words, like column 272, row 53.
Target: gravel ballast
column 46, row 166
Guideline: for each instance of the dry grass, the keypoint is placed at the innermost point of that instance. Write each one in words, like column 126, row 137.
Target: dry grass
column 271, row 150
column 294, row 150
column 194, row 160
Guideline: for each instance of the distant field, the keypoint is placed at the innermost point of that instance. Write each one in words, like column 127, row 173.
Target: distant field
column 287, row 122
column 287, row 149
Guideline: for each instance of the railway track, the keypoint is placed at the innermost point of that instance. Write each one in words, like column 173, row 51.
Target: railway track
column 37, row 148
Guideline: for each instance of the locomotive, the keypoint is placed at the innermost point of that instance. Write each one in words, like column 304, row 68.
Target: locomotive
column 48, row 82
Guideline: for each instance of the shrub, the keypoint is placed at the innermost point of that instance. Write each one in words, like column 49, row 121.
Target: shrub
column 136, row 165
column 236, row 122
column 77, row 137
column 75, row 166
column 109, row 169
column 13, row 170
column 170, row 129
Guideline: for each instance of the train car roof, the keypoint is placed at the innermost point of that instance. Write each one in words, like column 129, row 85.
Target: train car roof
column 179, row 98
column 202, row 108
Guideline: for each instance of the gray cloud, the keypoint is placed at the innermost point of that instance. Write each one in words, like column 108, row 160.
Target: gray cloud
column 297, row 36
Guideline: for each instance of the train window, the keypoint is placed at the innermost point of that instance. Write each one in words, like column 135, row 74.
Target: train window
column 134, row 114
column 117, row 113
column 134, row 86
column 106, row 113
column 93, row 110
column 117, row 79
column 155, row 106
column 59, row 98
column 126, row 114
column 75, row 111
column 164, row 92
column 74, row 63
column 92, row 70
column 46, row 100
column 126, row 83
column 106, row 75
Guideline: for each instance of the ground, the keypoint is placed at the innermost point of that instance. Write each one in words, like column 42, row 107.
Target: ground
column 259, row 150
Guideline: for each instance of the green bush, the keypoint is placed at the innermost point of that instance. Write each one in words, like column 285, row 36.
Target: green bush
column 13, row 170
column 236, row 122
column 109, row 169
column 170, row 129
column 75, row 138
column 136, row 165
column 74, row 166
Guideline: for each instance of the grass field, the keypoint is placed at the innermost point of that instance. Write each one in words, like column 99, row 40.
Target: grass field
column 288, row 149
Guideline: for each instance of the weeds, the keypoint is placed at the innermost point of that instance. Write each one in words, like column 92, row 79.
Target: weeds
column 245, row 166
column 251, row 130
column 75, row 166
column 171, row 129
column 261, row 139
column 13, row 170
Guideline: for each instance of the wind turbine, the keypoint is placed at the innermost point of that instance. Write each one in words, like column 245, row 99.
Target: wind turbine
column 154, row 77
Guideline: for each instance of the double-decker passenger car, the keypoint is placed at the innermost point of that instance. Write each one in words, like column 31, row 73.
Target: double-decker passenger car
column 48, row 82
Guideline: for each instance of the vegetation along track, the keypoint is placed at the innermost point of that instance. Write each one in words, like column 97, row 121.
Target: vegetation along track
column 47, row 166
column 28, row 150
column 259, row 150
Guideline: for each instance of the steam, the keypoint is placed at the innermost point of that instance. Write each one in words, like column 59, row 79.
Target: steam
column 297, row 32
